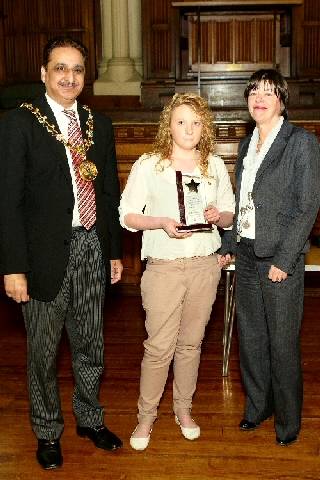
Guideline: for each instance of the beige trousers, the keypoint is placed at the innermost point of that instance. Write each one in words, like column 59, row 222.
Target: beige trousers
column 177, row 296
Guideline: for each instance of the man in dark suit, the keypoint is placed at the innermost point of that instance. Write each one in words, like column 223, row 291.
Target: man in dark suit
column 60, row 239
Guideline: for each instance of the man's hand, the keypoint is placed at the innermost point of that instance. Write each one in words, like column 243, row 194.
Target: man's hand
column 276, row 275
column 116, row 270
column 15, row 285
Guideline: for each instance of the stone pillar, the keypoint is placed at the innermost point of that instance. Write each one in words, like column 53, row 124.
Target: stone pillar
column 119, row 76
column 106, row 32
column 135, row 35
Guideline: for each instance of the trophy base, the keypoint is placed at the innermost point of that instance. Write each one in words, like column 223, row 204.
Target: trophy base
column 196, row 227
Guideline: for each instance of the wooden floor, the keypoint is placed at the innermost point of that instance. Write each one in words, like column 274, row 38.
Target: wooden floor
column 222, row 452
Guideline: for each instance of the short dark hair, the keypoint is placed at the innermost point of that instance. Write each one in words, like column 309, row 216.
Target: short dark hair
column 273, row 77
column 63, row 42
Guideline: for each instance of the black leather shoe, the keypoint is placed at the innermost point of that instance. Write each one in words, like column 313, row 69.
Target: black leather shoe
column 246, row 425
column 49, row 454
column 101, row 437
column 287, row 441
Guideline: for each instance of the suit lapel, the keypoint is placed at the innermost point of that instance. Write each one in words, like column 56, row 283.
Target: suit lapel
column 276, row 149
column 57, row 147
column 239, row 166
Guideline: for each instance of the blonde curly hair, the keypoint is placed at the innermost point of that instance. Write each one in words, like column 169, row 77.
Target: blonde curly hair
column 162, row 145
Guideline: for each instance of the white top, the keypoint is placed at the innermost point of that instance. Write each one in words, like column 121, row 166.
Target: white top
column 154, row 193
column 63, row 121
column 251, row 163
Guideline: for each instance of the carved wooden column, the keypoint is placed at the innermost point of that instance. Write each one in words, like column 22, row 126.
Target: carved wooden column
column 119, row 75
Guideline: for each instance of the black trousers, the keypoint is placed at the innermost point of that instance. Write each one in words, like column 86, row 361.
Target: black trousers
column 78, row 306
column 269, row 321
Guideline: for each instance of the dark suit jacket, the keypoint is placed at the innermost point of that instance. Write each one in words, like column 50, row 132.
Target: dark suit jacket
column 36, row 197
column 286, row 195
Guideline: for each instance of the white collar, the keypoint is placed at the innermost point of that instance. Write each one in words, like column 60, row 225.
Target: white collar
column 253, row 159
column 57, row 107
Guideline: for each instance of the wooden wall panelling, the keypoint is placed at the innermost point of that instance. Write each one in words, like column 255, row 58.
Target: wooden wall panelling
column 307, row 39
column 21, row 43
column 2, row 48
column 234, row 43
column 311, row 38
column 27, row 26
column 158, row 39
column 296, row 48
column 245, row 41
column 284, row 34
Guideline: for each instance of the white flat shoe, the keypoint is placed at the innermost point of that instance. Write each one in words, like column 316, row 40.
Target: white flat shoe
column 188, row 433
column 139, row 443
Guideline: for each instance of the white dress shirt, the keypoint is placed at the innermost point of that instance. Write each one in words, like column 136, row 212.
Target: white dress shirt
column 63, row 122
column 251, row 163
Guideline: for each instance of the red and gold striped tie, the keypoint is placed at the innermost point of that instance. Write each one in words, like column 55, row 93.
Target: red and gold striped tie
column 85, row 189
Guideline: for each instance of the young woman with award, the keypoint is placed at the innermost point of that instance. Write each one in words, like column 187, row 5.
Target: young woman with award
column 178, row 195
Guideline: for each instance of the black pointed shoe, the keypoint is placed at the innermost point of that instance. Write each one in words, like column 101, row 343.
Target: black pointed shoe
column 287, row 441
column 247, row 426
column 49, row 454
column 101, row 437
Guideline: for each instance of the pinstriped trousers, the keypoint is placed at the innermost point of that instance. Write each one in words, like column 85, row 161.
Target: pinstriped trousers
column 79, row 307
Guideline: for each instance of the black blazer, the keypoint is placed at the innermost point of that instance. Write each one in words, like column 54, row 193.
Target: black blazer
column 36, row 197
column 286, row 195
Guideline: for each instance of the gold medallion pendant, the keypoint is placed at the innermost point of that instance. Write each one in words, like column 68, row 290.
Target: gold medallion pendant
column 88, row 170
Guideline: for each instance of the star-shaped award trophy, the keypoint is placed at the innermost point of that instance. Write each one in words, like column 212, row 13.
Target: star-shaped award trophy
column 190, row 204
column 193, row 186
